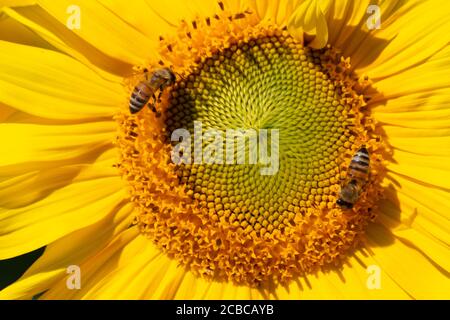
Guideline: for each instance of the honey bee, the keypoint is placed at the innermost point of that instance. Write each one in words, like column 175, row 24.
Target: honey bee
column 146, row 89
column 357, row 177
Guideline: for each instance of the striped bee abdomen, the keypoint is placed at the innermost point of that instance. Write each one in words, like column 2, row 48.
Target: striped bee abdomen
column 359, row 165
column 139, row 98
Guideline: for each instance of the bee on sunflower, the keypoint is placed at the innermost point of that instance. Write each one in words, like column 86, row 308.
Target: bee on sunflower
column 361, row 121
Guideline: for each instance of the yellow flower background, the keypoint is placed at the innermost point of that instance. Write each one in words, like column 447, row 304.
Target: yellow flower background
column 60, row 90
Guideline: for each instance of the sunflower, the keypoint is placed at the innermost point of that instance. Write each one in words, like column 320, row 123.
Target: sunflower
column 98, row 187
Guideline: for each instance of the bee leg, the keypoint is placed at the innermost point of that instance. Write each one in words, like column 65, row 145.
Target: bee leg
column 146, row 73
column 157, row 100
column 152, row 107
column 151, row 104
column 160, row 93
column 154, row 110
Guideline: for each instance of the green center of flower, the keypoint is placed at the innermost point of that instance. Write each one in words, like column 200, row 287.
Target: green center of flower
column 270, row 83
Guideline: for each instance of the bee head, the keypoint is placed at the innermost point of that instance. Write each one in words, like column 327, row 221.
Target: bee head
column 169, row 75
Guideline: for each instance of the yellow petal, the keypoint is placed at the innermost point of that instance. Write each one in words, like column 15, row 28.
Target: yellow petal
column 430, row 176
column 410, row 268
column 13, row 31
column 350, row 32
column 166, row 281
column 278, row 12
column 429, row 142
column 52, row 85
column 120, row 252
column 345, row 19
column 174, row 12
column 104, row 29
column 421, row 110
column 58, row 36
column 431, row 170
column 310, row 19
column 408, row 105
column 227, row 291
column 195, row 288
column 132, row 268
column 65, row 210
column 141, row 17
column 415, row 223
column 6, row 112
column 415, row 32
column 427, row 213
column 148, row 274
column 424, row 78
column 347, row 282
column 202, row 9
column 434, row 251
column 33, row 142
column 260, row 7
column 72, row 249
column 21, row 189
column 16, row 3
column 129, row 279
column 171, row 13
column 135, row 269
column 191, row 287
column 433, row 119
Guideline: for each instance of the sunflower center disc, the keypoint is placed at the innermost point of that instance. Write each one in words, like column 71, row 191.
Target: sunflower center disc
column 228, row 220
column 269, row 83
